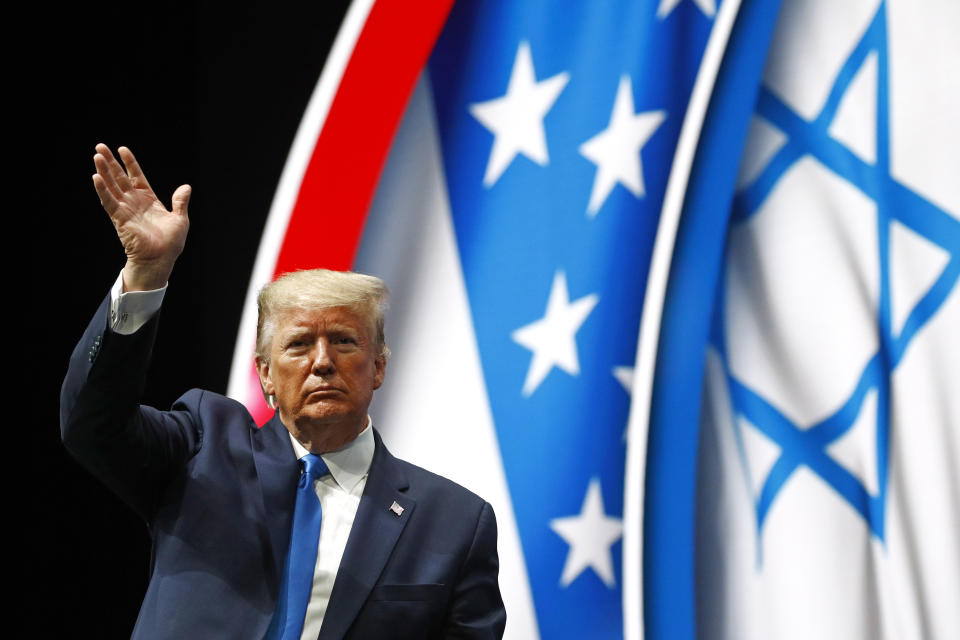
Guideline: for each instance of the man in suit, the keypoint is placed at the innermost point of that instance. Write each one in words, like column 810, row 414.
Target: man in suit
column 393, row 551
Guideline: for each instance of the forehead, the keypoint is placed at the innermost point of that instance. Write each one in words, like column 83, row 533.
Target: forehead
column 322, row 319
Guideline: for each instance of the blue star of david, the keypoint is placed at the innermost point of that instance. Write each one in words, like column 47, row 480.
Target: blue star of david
column 807, row 447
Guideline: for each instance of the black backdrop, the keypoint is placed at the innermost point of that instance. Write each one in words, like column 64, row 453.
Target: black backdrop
column 202, row 94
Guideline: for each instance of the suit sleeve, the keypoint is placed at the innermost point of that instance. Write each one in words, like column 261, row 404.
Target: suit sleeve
column 131, row 448
column 477, row 610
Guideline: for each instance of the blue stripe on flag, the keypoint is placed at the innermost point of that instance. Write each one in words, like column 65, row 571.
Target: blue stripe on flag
column 669, row 607
column 555, row 234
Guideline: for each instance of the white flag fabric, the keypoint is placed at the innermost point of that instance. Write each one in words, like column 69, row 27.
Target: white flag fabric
column 829, row 503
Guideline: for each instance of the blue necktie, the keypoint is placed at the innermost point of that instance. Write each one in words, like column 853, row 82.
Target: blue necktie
column 287, row 623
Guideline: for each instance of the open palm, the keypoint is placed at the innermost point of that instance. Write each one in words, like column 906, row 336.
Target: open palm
column 152, row 236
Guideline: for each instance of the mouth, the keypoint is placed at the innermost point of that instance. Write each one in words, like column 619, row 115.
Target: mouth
column 325, row 392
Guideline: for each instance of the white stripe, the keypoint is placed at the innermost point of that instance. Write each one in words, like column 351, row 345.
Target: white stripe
column 284, row 199
column 639, row 422
column 433, row 408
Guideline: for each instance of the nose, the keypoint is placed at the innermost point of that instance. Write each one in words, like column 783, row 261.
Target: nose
column 322, row 360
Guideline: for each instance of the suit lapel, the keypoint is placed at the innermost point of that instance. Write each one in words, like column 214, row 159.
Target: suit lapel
column 375, row 531
column 278, row 473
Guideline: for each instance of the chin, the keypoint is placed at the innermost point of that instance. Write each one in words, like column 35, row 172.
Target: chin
column 324, row 419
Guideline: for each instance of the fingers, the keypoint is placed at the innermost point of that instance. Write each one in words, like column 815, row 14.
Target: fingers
column 181, row 198
column 111, row 170
column 120, row 188
column 106, row 180
column 109, row 203
column 134, row 171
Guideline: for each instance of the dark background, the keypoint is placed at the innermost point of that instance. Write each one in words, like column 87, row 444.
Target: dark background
column 203, row 95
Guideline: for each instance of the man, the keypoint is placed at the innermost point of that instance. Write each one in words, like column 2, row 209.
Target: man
column 362, row 545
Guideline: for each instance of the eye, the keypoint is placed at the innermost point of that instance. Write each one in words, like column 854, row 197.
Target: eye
column 297, row 342
column 343, row 339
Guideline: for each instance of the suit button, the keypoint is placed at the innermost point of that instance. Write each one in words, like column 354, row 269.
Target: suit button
column 95, row 349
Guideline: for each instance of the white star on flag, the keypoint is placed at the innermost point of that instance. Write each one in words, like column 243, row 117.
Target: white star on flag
column 516, row 119
column 708, row 7
column 590, row 536
column 552, row 338
column 616, row 149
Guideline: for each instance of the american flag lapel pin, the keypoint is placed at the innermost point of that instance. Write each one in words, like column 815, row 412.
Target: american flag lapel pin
column 396, row 508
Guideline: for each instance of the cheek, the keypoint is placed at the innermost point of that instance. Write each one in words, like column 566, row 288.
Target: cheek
column 288, row 377
column 362, row 377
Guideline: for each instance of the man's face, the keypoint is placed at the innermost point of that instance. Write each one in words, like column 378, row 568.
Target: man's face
column 324, row 367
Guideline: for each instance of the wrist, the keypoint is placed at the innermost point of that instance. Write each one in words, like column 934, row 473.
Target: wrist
column 145, row 277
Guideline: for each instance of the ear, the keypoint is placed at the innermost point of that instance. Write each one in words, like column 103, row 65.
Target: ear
column 381, row 364
column 266, row 382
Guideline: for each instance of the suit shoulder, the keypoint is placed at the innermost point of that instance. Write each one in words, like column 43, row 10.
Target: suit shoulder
column 214, row 409
column 424, row 479
column 422, row 482
column 194, row 397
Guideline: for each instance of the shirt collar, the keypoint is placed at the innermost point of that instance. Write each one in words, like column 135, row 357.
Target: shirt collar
column 350, row 463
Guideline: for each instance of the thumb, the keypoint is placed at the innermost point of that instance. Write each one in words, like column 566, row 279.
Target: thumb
column 181, row 197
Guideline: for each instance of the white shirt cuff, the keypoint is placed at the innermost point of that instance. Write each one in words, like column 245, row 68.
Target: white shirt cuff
column 131, row 310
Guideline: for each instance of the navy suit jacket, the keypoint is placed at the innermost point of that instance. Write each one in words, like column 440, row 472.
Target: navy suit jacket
column 218, row 495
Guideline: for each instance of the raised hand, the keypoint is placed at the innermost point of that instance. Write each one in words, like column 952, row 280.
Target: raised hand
column 152, row 236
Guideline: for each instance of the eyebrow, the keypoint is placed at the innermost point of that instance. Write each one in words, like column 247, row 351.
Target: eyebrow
column 294, row 332
column 299, row 330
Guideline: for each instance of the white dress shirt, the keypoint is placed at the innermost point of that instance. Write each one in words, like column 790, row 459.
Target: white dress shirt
column 339, row 491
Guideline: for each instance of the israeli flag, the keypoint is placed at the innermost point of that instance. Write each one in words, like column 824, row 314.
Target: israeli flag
column 829, row 502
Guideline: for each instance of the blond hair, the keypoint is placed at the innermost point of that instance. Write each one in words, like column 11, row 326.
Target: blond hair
column 321, row 289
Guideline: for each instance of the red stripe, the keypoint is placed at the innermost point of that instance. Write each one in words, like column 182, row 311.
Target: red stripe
column 327, row 220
